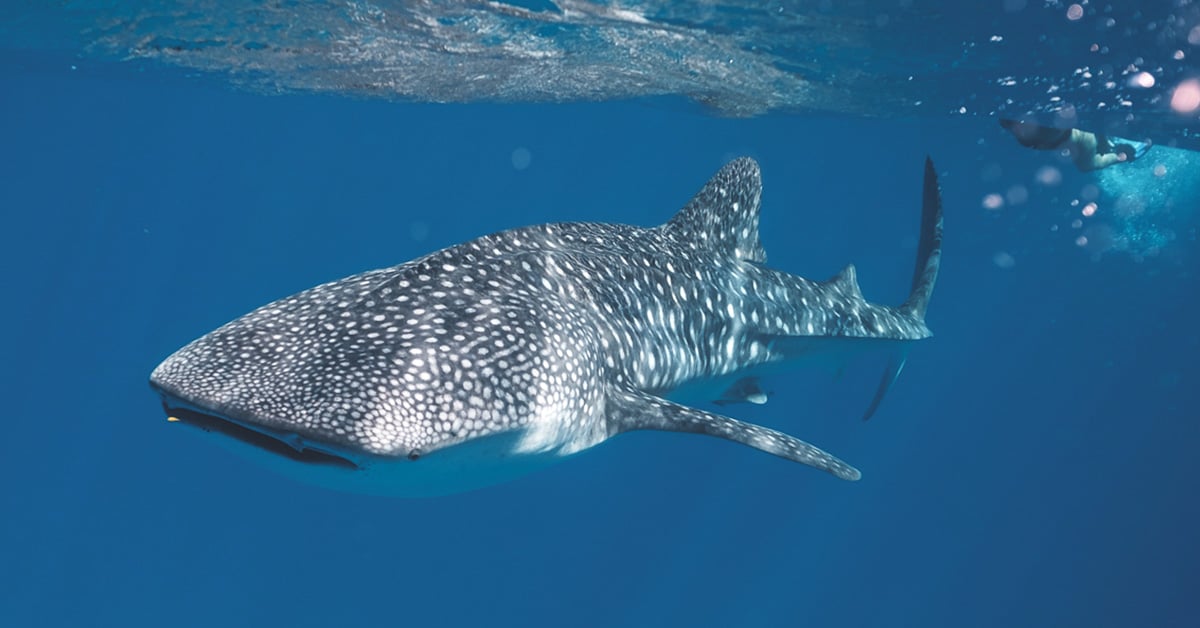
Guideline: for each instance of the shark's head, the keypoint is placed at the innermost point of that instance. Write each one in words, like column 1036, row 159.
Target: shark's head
column 355, row 382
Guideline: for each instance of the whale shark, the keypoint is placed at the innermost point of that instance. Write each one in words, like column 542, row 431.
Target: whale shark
column 484, row 361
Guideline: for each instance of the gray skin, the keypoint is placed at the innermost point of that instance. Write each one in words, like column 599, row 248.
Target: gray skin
column 515, row 349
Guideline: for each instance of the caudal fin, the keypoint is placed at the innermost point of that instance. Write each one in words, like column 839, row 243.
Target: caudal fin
column 929, row 257
column 929, row 250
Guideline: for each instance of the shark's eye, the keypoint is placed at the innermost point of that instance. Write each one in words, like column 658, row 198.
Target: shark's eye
column 414, row 454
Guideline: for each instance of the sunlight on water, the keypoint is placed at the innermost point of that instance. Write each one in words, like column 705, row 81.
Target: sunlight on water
column 1086, row 62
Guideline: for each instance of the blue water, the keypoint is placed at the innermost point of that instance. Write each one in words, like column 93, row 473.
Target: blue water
column 1034, row 466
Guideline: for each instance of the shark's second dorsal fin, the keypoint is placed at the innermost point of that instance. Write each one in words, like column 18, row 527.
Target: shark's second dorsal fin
column 846, row 281
column 723, row 216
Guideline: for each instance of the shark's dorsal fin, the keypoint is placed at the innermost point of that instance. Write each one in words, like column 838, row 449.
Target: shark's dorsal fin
column 846, row 281
column 627, row 410
column 723, row 216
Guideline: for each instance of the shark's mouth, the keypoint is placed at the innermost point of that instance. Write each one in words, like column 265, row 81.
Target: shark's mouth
column 289, row 446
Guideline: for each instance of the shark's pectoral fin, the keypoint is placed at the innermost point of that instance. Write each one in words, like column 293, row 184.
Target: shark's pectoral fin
column 628, row 410
column 894, row 366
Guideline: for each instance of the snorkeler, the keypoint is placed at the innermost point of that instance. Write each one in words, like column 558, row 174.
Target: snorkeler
column 1089, row 151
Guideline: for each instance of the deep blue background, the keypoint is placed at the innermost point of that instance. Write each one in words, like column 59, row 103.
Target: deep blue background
column 1034, row 466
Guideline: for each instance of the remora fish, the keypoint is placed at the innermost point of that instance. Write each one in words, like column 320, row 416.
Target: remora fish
column 485, row 360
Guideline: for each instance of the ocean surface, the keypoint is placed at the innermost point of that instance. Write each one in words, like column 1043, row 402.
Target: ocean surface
column 1035, row 464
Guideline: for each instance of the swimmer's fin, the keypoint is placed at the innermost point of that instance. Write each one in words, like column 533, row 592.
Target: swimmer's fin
column 1130, row 149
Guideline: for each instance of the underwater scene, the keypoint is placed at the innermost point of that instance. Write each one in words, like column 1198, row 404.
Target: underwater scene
column 595, row 313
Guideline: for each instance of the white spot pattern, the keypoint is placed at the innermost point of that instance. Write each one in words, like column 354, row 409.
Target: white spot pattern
column 523, row 329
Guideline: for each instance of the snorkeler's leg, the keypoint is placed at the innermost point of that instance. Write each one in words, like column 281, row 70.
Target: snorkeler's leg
column 1106, row 160
column 1083, row 150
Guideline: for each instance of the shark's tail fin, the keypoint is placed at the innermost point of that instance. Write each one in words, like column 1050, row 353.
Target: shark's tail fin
column 929, row 250
column 929, row 257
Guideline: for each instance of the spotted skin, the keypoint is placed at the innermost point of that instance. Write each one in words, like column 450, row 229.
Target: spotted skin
column 556, row 336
